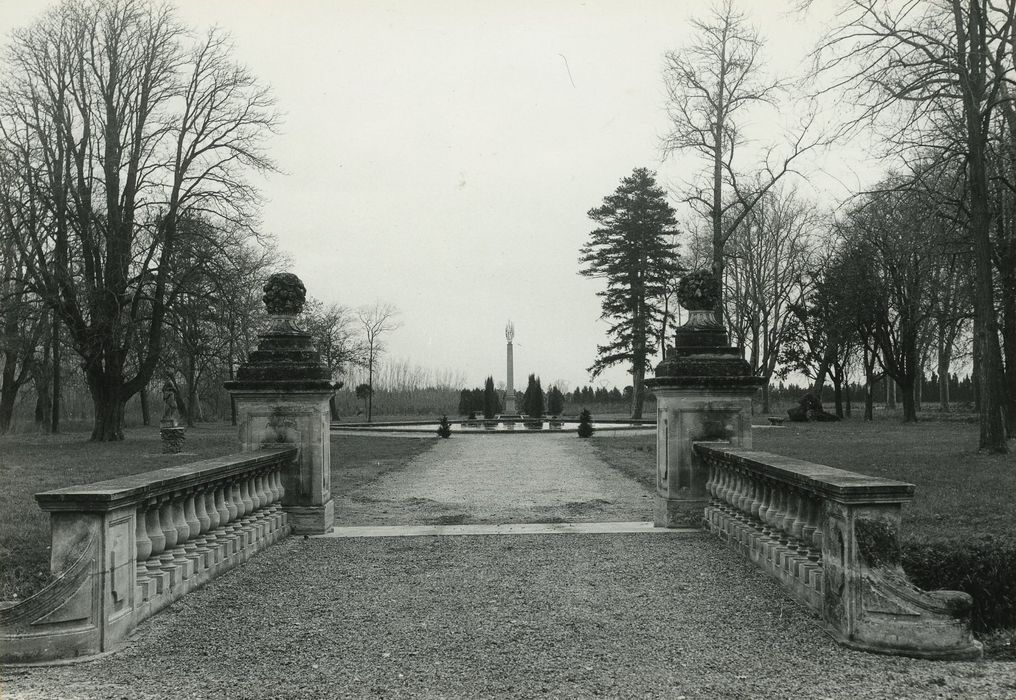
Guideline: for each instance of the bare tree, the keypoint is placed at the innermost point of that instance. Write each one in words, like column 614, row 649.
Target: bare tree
column 917, row 66
column 332, row 326
column 767, row 260
column 712, row 84
column 118, row 126
column 377, row 320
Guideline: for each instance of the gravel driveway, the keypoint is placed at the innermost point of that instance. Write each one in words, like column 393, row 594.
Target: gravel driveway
column 498, row 479
column 615, row 615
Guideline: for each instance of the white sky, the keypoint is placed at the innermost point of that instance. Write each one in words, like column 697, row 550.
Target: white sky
column 442, row 156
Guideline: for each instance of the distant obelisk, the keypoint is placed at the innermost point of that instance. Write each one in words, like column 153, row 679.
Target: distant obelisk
column 509, row 392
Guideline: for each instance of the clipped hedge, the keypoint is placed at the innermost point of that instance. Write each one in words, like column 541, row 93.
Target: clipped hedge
column 984, row 568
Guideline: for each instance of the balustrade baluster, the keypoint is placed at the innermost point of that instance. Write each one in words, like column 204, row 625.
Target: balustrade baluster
column 142, row 543
column 278, row 488
column 211, row 508
column 190, row 516
column 743, row 493
column 767, row 502
column 201, row 511
column 233, row 503
column 819, row 536
column 800, row 516
column 756, row 497
column 791, row 514
column 248, row 504
column 711, row 481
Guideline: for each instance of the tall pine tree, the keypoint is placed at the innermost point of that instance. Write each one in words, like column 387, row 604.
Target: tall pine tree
column 631, row 250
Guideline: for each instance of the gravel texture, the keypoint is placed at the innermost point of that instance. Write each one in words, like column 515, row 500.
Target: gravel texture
column 523, row 616
column 499, row 479
column 616, row 615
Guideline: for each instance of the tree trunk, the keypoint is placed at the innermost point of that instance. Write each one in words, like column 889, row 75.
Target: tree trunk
column 638, row 394
column 333, row 408
column 909, row 397
column 943, row 377
column 765, row 398
column 146, row 410
column 109, row 404
column 7, row 397
column 974, row 94
column 838, row 393
column 890, row 393
column 55, row 415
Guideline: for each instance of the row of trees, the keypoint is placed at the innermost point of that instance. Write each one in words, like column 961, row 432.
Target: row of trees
column 128, row 230
column 905, row 277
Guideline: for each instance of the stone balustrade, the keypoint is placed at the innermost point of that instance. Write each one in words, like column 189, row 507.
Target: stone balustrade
column 830, row 538
column 126, row 548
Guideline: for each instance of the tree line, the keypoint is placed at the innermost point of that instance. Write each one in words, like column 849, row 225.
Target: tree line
column 130, row 247
column 903, row 278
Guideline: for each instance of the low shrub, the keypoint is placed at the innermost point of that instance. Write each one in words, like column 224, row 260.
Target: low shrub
column 985, row 568
column 444, row 428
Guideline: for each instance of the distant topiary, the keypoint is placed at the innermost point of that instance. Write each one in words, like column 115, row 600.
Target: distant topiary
column 585, row 424
column 444, row 428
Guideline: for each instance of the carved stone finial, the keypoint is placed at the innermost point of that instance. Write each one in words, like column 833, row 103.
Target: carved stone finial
column 509, row 331
column 284, row 294
column 698, row 290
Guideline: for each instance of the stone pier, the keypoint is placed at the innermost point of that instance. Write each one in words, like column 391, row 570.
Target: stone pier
column 703, row 391
column 282, row 396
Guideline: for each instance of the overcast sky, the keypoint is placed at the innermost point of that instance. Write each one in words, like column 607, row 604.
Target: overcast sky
column 442, row 156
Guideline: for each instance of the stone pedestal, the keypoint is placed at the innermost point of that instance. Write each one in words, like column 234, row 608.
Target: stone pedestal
column 289, row 415
column 172, row 437
column 282, row 396
column 703, row 392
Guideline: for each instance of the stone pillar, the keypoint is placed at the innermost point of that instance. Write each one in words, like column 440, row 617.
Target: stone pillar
column 282, row 396
column 703, row 391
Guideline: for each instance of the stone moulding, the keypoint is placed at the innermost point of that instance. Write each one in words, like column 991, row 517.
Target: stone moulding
column 830, row 537
column 125, row 548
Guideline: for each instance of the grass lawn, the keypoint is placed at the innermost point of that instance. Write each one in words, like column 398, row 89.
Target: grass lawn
column 960, row 494
column 33, row 463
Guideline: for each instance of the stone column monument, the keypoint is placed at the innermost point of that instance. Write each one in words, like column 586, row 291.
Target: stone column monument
column 703, row 391
column 281, row 396
column 509, row 392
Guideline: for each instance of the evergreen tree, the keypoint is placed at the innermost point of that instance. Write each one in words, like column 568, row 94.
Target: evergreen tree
column 444, row 428
column 630, row 249
column 490, row 401
column 465, row 402
column 585, row 424
column 555, row 401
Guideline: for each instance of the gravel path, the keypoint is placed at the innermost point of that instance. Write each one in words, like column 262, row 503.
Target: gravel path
column 524, row 616
column 499, row 479
column 616, row 615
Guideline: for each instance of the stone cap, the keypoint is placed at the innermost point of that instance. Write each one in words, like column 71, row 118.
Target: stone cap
column 833, row 484
column 111, row 494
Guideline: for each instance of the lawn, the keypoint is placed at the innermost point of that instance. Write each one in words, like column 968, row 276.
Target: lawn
column 33, row 463
column 960, row 495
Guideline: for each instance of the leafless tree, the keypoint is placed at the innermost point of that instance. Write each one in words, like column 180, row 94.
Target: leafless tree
column 118, row 125
column 377, row 321
column 767, row 260
column 917, row 66
column 333, row 328
column 712, row 86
